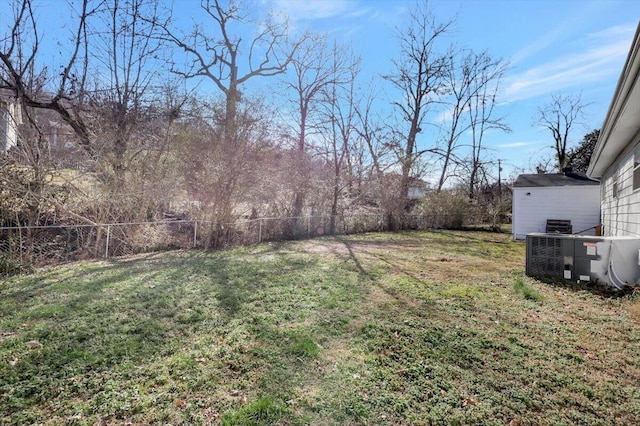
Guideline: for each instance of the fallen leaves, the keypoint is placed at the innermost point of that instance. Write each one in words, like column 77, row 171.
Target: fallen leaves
column 469, row 401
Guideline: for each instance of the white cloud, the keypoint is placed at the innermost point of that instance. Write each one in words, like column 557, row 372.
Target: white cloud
column 603, row 59
column 514, row 145
column 317, row 9
column 616, row 32
column 541, row 43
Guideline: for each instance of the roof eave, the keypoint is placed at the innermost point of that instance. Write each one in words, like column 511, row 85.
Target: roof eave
column 621, row 123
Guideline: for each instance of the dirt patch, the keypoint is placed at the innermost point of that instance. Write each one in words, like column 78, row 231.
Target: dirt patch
column 323, row 247
column 379, row 296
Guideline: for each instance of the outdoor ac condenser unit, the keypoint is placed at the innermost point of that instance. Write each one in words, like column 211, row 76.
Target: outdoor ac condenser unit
column 550, row 255
column 609, row 261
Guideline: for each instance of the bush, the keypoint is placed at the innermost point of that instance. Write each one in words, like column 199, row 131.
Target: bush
column 446, row 209
column 11, row 266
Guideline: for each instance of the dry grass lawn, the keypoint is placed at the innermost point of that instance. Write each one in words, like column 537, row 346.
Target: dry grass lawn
column 434, row 327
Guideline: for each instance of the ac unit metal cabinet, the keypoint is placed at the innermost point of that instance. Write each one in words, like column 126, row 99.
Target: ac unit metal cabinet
column 586, row 252
column 610, row 261
column 618, row 263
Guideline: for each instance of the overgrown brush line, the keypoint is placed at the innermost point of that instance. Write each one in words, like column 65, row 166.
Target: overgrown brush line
column 62, row 242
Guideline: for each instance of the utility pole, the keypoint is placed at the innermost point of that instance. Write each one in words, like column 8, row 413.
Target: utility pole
column 499, row 179
column 497, row 217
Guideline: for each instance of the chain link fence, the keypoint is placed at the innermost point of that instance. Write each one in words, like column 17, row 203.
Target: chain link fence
column 24, row 247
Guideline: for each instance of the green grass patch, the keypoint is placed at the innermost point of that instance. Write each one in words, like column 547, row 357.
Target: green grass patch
column 300, row 345
column 264, row 411
column 460, row 291
column 526, row 291
column 406, row 328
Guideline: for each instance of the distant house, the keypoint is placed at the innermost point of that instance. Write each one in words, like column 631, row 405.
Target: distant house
column 60, row 135
column 10, row 120
column 616, row 157
column 567, row 196
column 418, row 189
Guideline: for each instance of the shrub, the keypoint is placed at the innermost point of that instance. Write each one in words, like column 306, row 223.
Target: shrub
column 446, row 209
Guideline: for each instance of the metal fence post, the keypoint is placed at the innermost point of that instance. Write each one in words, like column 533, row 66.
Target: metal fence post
column 195, row 234
column 20, row 247
column 106, row 250
column 259, row 231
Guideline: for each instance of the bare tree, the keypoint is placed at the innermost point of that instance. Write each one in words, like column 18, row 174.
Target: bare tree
column 374, row 133
column 27, row 172
column 117, row 51
column 371, row 131
column 482, row 118
column 215, row 53
column 220, row 177
column 63, row 91
column 418, row 77
column 317, row 70
column 217, row 56
column 466, row 85
column 106, row 91
column 338, row 116
column 312, row 72
column 560, row 115
column 122, row 95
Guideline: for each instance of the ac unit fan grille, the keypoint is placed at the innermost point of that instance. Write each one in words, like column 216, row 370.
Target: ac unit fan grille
column 546, row 258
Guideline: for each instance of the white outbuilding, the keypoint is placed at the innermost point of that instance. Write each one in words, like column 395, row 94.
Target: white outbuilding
column 543, row 200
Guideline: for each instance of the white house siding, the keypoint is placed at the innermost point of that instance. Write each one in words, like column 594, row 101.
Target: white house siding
column 10, row 119
column 579, row 204
column 621, row 214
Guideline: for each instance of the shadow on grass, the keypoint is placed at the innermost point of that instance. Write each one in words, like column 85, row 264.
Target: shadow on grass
column 467, row 234
column 353, row 256
column 379, row 256
column 593, row 288
column 109, row 315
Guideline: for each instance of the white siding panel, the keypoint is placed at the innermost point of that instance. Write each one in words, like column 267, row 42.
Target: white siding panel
column 621, row 214
column 579, row 204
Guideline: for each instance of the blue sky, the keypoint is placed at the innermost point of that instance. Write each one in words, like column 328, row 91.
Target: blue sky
column 553, row 47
